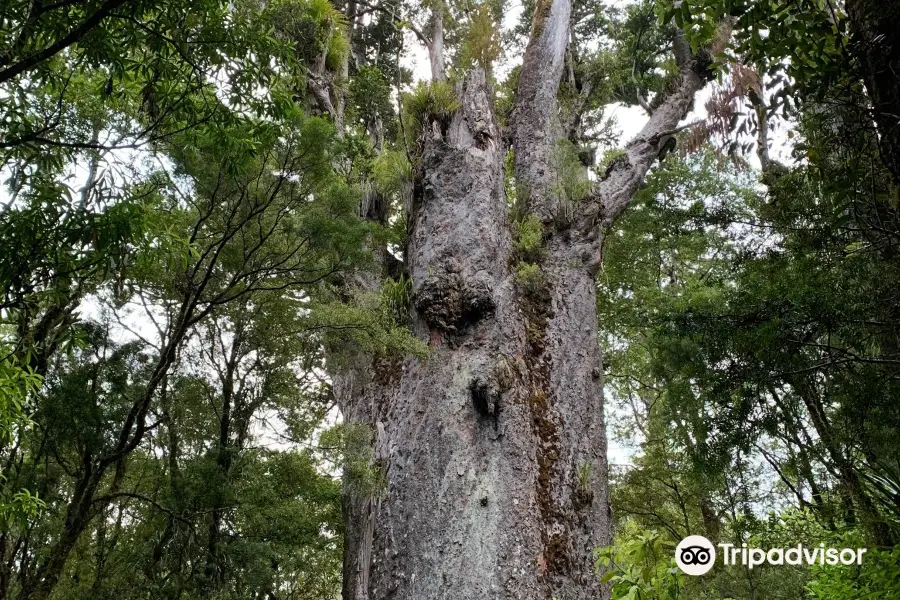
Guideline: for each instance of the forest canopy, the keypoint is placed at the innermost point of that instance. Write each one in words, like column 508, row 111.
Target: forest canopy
column 269, row 269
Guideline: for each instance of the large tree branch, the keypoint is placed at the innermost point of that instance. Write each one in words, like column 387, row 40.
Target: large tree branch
column 625, row 175
column 535, row 118
column 78, row 32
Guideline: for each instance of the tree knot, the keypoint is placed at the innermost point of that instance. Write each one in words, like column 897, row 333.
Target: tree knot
column 449, row 303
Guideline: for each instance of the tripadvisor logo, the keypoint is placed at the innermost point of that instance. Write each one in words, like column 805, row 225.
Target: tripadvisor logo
column 696, row 555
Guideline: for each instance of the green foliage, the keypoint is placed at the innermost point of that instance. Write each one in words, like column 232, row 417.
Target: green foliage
column 17, row 383
column 571, row 180
column 427, row 102
column 812, row 34
column 640, row 565
column 584, row 477
column 396, row 296
column 716, row 297
column 22, row 508
column 437, row 100
column 175, row 225
column 392, row 172
column 699, row 28
column 316, row 28
column 530, row 278
column 370, row 99
column 516, row 206
column 481, row 44
column 354, row 442
column 608, row 158
column 875, row 578
column 375, row 323
column 528, row 239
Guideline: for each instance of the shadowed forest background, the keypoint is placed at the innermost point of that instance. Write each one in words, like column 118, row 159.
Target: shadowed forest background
column 193, row 192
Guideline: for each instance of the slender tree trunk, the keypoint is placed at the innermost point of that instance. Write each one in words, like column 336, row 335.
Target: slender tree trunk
column 848, row 472
column 436, row 47
column 876, row 30
column 78, row 516
column 224, row 453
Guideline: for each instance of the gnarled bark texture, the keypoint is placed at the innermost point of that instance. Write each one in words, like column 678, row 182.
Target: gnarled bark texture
column 494, row 447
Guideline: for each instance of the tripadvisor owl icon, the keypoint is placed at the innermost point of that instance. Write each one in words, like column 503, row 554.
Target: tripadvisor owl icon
column 695, row 555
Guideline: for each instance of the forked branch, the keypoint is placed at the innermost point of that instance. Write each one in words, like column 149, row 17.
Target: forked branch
column 612, row 194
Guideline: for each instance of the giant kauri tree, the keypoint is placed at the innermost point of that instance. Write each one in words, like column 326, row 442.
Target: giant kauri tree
column 492, row 447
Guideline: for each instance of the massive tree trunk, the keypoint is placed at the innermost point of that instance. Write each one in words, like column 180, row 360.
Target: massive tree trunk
column 493, row 448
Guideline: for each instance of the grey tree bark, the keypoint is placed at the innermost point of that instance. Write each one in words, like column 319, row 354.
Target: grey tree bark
column 494, row 448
